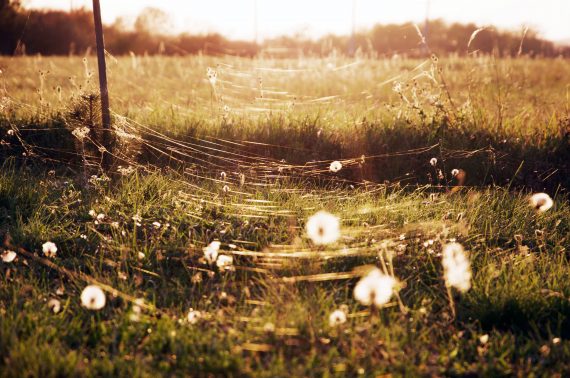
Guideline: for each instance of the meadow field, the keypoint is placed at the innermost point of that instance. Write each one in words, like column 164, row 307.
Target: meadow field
column 250, row 203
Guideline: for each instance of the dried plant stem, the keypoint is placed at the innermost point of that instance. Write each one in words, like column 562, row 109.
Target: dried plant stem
column 451, row 301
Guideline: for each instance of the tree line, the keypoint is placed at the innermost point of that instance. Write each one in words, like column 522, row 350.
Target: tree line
column 53, row 32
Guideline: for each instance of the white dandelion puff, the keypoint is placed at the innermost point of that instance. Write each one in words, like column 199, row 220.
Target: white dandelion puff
column 541, row 202
column 337, row 317
column 54, row 305
column 211, row 251
column 92, row 213
column 269, row 327
column 156, row 224
column 225, row 262
column 323, row 228
column 335, row 166
column 193, row 316
column 433, row 162
column 226, row 189
column 456, row 267
column 100, row 217
column 212, row 76
column 80, row 132
column 93, row 298
column 8, row 256
column 483, row 339
column 376, row 288
column 49, row 249
column 454, row 172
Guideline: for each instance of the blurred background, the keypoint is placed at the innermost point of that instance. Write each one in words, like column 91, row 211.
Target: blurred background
column 287, row 29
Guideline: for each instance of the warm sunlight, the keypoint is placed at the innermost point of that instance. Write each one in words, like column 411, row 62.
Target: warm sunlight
column 314, row 18
column 272, row 188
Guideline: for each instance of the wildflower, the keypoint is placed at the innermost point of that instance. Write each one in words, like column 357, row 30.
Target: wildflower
column 397, row 87
column 211, row 251
column 92, row 213
column 323, row 228
column 556, row 340
column 137, row 218
column 100, row 217
column 10, row 132
column 374, row 288
column 54, row 305
column 8, row 256
column 136, row 310
column 225, row 262
column 483, row 339
column 335, row 166
column 226, row 189
column 223, row 176
column 141, row 256
column 454, row 172
column 49, row 249
column 541, row 202
column 456, row 267
column 212, row 76
column 156, row 224
column 433, row 162
column 337, row 317
column 80, row 132
column 93, row 298
column 193, row 316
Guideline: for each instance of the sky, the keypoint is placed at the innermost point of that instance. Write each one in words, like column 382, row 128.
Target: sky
column 314, row 18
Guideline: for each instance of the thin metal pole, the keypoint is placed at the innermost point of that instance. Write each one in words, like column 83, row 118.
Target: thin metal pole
column 105, row 114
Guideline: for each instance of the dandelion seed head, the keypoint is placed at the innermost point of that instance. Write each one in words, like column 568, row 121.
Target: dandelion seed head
column 193, row 316
column 225, row 262
column 323, row 228
column 433, row 162
column 8, row 256
column 81, row 132
column 269, row 327
column 211, row 251
column 93, row 298
column 54, row 305
column 335, row 166
column 337, row 317
column 454, row 172
column 541, row 202
column 49, row 249
column 456, row 267
column 483, row 339
column 212, row 76
column 376, row 288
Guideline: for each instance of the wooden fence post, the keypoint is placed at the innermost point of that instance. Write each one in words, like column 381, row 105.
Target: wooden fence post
column 105, row 114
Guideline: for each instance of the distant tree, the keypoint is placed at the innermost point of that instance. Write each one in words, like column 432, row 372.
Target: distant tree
column 153, row 21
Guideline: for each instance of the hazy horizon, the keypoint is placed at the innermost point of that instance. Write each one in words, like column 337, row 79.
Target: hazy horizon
column 275, row 18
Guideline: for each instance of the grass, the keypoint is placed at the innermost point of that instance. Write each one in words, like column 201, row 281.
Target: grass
column 270, row 315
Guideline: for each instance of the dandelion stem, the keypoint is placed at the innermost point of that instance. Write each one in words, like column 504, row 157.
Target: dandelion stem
column 451, row 301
